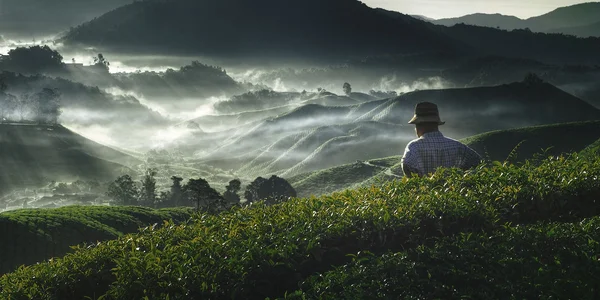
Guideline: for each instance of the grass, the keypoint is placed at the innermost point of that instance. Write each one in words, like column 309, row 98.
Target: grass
column 268, row 251
column 36, row 235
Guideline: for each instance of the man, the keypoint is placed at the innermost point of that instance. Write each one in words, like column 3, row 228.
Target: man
column 432, row 149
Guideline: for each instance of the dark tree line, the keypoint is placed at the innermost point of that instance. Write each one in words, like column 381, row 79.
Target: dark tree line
column 197, row 192
column 42, row 107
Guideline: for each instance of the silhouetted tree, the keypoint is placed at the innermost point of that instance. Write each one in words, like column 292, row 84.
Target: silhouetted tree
column 32, row 60
column 231, row 193
column 272, row 190
column 101, row 62
column 123, row 191
column 148, row 191
column 176, row 191
column 23, row 104
column 532, row 79
column 205, row 197
column 347, row 89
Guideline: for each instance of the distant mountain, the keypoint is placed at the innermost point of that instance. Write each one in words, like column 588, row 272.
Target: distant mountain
column 37, row 154
column 329, row 28
column 34, row 18
column 580, row 20
column 487, row 20
column 590, row 30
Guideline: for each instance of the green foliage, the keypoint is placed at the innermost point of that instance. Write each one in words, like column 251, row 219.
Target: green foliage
column 543, row 261
column 272, row 190
column 36, row 235
column 124, row 191
column 265, row 251
column 148, row 190
column 204, row 196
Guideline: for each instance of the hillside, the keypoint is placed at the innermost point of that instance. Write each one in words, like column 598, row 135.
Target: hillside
column 519, row 222
column 556, row 139
column 580, row 20
column 338, row 30
column 315, row 137
column 486, row 20
column 36, row 154
column 228, row 28
column 35, row 235
column 31, row 18
column 589, row 30
column 552, row 140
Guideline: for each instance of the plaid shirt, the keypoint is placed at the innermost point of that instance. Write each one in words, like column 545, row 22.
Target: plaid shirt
column 432, row 150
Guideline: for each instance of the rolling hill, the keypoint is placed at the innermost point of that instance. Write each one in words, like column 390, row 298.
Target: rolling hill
column 580, row 20
column 312, row 137
column 36, row 235
column 552, row 140
column 36, row 154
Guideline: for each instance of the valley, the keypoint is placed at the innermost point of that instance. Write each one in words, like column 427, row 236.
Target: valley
column 185, row 149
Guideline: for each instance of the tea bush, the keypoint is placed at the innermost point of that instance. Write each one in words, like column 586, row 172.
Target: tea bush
column 267, row 251
column 33, row 235
column 543, row 261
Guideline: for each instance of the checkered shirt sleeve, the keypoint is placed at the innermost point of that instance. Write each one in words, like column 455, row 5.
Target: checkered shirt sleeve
column 431, row 151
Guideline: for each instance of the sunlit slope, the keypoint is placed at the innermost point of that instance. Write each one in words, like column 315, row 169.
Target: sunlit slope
column 33, row 154
column 544, row 140
column 263, row 252
column 35, row 235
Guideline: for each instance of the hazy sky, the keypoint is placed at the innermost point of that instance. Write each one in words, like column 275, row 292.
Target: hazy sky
column 453, row 8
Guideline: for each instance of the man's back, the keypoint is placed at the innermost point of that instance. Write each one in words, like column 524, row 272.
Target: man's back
column 433, row 150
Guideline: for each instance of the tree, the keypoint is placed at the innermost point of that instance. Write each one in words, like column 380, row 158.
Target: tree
column 176, row 194
column 22, row 105
column 101, row 62
column 205, row 197
column 32, row 60
column 231, row 193
column 272, row 190
column 532, row 79
column 347, row 89
column 148, row 191
column 8, row 103
column 123, row 191
column 47, row 106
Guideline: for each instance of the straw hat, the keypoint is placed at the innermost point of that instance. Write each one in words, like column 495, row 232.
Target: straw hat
column 426, row 112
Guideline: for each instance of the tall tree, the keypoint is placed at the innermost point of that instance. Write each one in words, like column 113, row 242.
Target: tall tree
column 231, row 193
column 176, row 194
column 272, row 190
column 123, row 190
column 148, row 191
column 205, row 197
column 347, row 89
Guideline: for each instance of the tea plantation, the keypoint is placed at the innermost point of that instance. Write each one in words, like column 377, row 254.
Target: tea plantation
column 500, row 231
column 34, row 235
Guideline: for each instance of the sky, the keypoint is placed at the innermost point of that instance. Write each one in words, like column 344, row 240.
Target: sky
column 438, row 9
